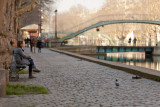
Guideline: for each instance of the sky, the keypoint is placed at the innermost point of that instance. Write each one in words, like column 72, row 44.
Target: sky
column 65, row 5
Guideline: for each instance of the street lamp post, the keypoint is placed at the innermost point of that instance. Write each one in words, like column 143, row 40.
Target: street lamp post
column 56, row 23
column 40, row 21
column 40, row 29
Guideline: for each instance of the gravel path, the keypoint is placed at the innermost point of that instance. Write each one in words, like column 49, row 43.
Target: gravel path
column 77, row 83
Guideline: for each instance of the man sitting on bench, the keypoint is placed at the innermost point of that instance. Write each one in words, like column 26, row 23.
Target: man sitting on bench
column 22, row 59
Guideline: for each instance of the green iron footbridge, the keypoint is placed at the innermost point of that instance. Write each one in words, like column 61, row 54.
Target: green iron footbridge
column 103, row 20
column 108, row 23
column 110, row 19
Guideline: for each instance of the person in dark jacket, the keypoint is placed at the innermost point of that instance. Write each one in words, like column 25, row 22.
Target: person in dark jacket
column 39, row 45
column 134, row 41
column 22, row 59
column 30, row 42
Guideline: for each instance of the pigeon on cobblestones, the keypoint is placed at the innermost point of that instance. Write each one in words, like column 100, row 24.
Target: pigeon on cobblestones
column 117, row 83
column 79, row 60
column 136, row 77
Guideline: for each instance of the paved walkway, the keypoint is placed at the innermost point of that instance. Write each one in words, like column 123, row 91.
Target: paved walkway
column 78, row 83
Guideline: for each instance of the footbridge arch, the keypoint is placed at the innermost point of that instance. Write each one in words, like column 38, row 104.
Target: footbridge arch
column 111, row 19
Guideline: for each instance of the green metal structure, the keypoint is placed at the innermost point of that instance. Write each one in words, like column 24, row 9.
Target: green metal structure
column 107, row 23
column 114, row 49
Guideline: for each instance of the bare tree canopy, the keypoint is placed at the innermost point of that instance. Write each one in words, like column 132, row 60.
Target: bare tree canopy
column 33, row 17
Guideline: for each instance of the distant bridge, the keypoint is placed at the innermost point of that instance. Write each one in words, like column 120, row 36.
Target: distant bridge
column 108, row 23
column 111, row 19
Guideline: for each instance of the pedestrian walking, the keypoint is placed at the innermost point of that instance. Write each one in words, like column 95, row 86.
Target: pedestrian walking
column 129, row 41
column 33, row 43
column 26, row 42
column 39, row 45
column 30, row 41
column 134, row 41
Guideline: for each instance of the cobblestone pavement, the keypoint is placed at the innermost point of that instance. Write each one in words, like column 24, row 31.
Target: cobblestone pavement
column 77, row 83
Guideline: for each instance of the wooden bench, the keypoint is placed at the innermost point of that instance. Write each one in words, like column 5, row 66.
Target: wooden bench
column 14, row 74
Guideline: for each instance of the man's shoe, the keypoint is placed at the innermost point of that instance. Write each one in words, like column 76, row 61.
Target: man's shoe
column 36, row 70
column 31, row 77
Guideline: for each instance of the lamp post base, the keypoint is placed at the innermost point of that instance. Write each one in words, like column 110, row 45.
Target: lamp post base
column 55, row 42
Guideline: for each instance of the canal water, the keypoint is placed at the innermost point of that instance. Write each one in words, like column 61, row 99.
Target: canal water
column 132, row 58
column 128, row 58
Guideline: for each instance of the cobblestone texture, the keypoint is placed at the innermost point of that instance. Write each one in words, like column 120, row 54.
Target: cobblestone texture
column 77, row 83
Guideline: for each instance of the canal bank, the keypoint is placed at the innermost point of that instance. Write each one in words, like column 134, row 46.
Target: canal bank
column 143, row 72
column 78, row 83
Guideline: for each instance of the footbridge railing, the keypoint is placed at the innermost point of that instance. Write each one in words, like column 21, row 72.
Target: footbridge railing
column 114, row 49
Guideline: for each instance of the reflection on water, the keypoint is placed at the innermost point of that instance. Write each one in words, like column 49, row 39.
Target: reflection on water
column 132, row 58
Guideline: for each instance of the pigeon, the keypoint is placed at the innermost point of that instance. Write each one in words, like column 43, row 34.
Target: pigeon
column 116, row 83
column 79, row 60
column 136, row 77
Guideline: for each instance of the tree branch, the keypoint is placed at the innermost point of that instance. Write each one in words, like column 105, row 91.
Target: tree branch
column 28, row 8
